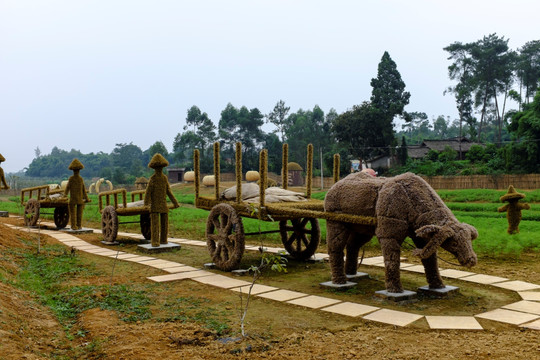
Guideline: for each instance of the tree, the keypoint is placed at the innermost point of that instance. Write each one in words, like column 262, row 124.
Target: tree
column 242, row 125
column 278, row 117
column 525, row 127
column 388, row 94
column 361, row 130
column 128, row 158
column 462, row 71
column 528, row 68
column 158, row 147
column 483, row 68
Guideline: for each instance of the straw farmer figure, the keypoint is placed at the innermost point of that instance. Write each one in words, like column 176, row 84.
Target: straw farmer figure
column 513, row 208
column 77, row 195
column 3, row 183
column 157, row 190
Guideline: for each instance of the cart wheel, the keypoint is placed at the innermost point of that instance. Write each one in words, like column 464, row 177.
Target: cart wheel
column 61, row 217
column 300, row 237
column 31, row 212
column 146, row 230
column 109, row 223
column 225, row 237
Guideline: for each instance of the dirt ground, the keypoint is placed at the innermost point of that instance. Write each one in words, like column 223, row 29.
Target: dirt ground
column 28, row 330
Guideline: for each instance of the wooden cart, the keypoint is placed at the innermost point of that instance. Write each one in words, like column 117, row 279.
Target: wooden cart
column 298, row 221
column 40, row 197
column 120, row 207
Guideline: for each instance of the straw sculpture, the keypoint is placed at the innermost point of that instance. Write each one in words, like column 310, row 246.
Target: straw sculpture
column 77, row 195
column 403, row 206
column 513, row 209
column 157, row 190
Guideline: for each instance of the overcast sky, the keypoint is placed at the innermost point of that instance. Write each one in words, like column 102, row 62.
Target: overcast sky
column 87, row 75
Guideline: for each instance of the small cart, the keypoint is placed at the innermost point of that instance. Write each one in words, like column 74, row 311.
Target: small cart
column 40, row 197
column 120, row 207
column 298, row 221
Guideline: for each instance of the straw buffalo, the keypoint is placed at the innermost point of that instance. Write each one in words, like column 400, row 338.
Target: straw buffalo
column 403, row 206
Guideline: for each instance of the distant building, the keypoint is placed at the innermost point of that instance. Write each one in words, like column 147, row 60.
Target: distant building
column 462, row 145
column 176, row 175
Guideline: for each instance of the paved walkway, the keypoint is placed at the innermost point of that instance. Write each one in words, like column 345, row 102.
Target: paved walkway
column 524, row 313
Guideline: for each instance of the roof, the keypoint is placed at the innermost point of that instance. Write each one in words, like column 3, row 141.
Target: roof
column 440, row 145
column 419, row 151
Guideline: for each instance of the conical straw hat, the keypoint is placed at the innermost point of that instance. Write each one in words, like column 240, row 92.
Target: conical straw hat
column 76, row 165
column 512, row 194
column 158, row 161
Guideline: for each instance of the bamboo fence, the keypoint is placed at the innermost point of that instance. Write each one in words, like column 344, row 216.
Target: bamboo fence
column 497, row 182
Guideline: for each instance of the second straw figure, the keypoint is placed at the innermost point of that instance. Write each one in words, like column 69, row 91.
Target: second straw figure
column 77, row 195
column 157, row 190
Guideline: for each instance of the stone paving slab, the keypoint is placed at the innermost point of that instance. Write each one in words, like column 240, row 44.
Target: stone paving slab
column 74, row 242
column 158, row 262
column 314, row 302
column 180, row 276
column 350, row 309
column 86, row 247
column 273, row 250
column 530, row 295
column 531, row 307
column 507, row 316
column 416, row 268
column 221, row 281
column 105, row 252
column 140, row 259
column 192, row 242
column 98, row 250
column 319, row 256
column 125, row 256
column 404, row 265
column 257, row 289
column 179, row 268
column 535, row 325
column 455, row 274
column 484, row 279
column 453, row 322
column 393, row 317
column 517, row 285
column 372, row 260
column 282, row 295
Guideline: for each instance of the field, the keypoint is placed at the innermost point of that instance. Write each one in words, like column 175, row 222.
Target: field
column 58, row 304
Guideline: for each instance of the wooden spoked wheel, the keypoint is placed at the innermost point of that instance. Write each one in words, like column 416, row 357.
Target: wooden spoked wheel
column 31, row 212
column 61, row 216
column 300, row 237
column 109, row 223
column 225, row 237
column 146, row 229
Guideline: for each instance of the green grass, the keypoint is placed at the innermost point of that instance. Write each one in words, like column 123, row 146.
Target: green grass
column 48, row 274
column 477, row 207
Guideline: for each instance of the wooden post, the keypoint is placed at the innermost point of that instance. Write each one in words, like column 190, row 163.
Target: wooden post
column 216, row 170
column 336, row 168
column 196, row 166
column 284, row 167
column 238, row 172
column 309, row 171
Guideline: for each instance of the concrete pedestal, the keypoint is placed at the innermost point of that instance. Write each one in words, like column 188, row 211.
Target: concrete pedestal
column 447, row 291
column 331, row 285
column 406, row 295
column 148, row 248
column 110, row 243
column 357, row 276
